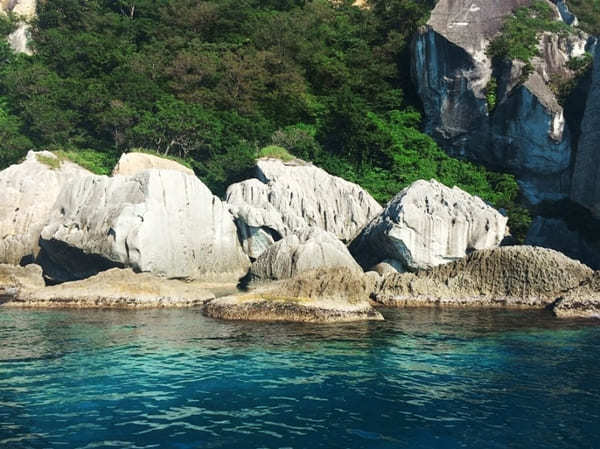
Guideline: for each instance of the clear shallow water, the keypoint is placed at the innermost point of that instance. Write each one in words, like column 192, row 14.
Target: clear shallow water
column 175, row 379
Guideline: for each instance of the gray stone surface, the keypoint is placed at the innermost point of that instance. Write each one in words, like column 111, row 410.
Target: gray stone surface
column 287, row 197
column 28, row 192
column 15, row 279
column 132, row 163
column 585, row 188
column 160, row 221
column 309, row 249
column 428, row 224
column 526, row 132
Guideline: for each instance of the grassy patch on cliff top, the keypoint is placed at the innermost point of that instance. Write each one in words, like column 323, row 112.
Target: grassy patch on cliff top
column 276, row 152
column 179, row 160
column 97, row 162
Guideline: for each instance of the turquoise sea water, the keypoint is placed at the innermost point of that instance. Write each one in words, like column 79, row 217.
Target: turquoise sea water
column 175, row 379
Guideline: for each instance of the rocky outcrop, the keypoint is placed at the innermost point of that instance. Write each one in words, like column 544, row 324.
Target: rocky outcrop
column 28, row 192
column 24, row 10
column 309, row 249
column 525, row 133
column 510, row 276
column 286, row 197
column 336, row 295
column 428, row 224
column 159, row 221
column 585, row 188
column 581, row 302
column 132, row 163
column 16, row 279
column 116, row 288
column 555, row 233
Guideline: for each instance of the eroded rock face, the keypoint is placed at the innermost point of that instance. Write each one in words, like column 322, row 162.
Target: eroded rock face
column 585, row 188
column 309, row 249
column 334, row 295
column 132, row 163
column 429, row 224
column 116, row 288
column 19, row 39
column 28, row 192
column 581, row 302
column 15, row 279
column 287, row 197
column 525, row 133
column 159, row 221
column 513, row 276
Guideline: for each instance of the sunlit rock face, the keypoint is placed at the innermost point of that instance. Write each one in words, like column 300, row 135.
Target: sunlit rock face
column 428, row 224
column 25, row 10
column 585, row 188
column 526, row 132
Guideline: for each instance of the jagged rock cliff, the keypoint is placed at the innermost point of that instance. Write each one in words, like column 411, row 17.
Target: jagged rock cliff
column 526, row 132
column 429, row 224
column 585, row 188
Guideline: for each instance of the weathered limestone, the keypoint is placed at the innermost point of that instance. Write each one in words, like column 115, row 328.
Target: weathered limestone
column 581, row 302
column 526, row 132
column 159, row 221
column 428, row 224
column 15, row 279
column 24, row 9
column 28, row 192
column 585, row 188
column 334, row 295
column 116, row 288
column 286, row 197
column 309, row 249
column 510, row 276
column 132, row 163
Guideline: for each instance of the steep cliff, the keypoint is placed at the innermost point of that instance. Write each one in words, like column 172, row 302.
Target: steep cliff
column 523, row 130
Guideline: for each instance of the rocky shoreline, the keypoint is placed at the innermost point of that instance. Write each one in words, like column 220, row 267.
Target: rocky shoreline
column 153, row 235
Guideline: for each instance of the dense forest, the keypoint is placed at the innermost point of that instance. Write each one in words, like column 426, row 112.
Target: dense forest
column 217, row 83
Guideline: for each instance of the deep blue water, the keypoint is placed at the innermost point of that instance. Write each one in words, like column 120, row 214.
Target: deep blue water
column 175, row 379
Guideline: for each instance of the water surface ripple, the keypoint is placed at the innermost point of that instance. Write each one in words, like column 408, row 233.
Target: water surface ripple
column 175, row 379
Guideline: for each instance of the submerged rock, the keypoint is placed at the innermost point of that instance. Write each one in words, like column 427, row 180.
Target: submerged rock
column 132, row 163
column 116, row 288
column 428, row 224
column 15, row 279
column 28, row 192
column 286, row 197
column 581, row 302
column 309, row 249
column 159, row 221
column 510, row 276
column 335, row 295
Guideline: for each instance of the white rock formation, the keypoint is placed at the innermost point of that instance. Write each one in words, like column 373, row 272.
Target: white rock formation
column 160, row 221
column 429, row 224
column 309, row 249
column 132, row 163
column 27, row 193
column 24, row 9
column 287, row 197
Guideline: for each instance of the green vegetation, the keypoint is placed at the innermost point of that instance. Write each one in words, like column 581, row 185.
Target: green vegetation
column 588, row 14
column 52, row 162
column 491, row 94
column 520, row 33
column 564, row 87
column 211, row 82
column 277, row 152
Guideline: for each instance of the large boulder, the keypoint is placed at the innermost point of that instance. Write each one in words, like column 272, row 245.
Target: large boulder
column 580, row 302
column 160, row 221
column 525, row 132
column 15, row 279
column 309, row 249
column 429, row 224
column 333, row 295
column 585, row 188
column 510, row 276
column 28, row 192
column 132, row 163
column 116, row 288
column 285, row 197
